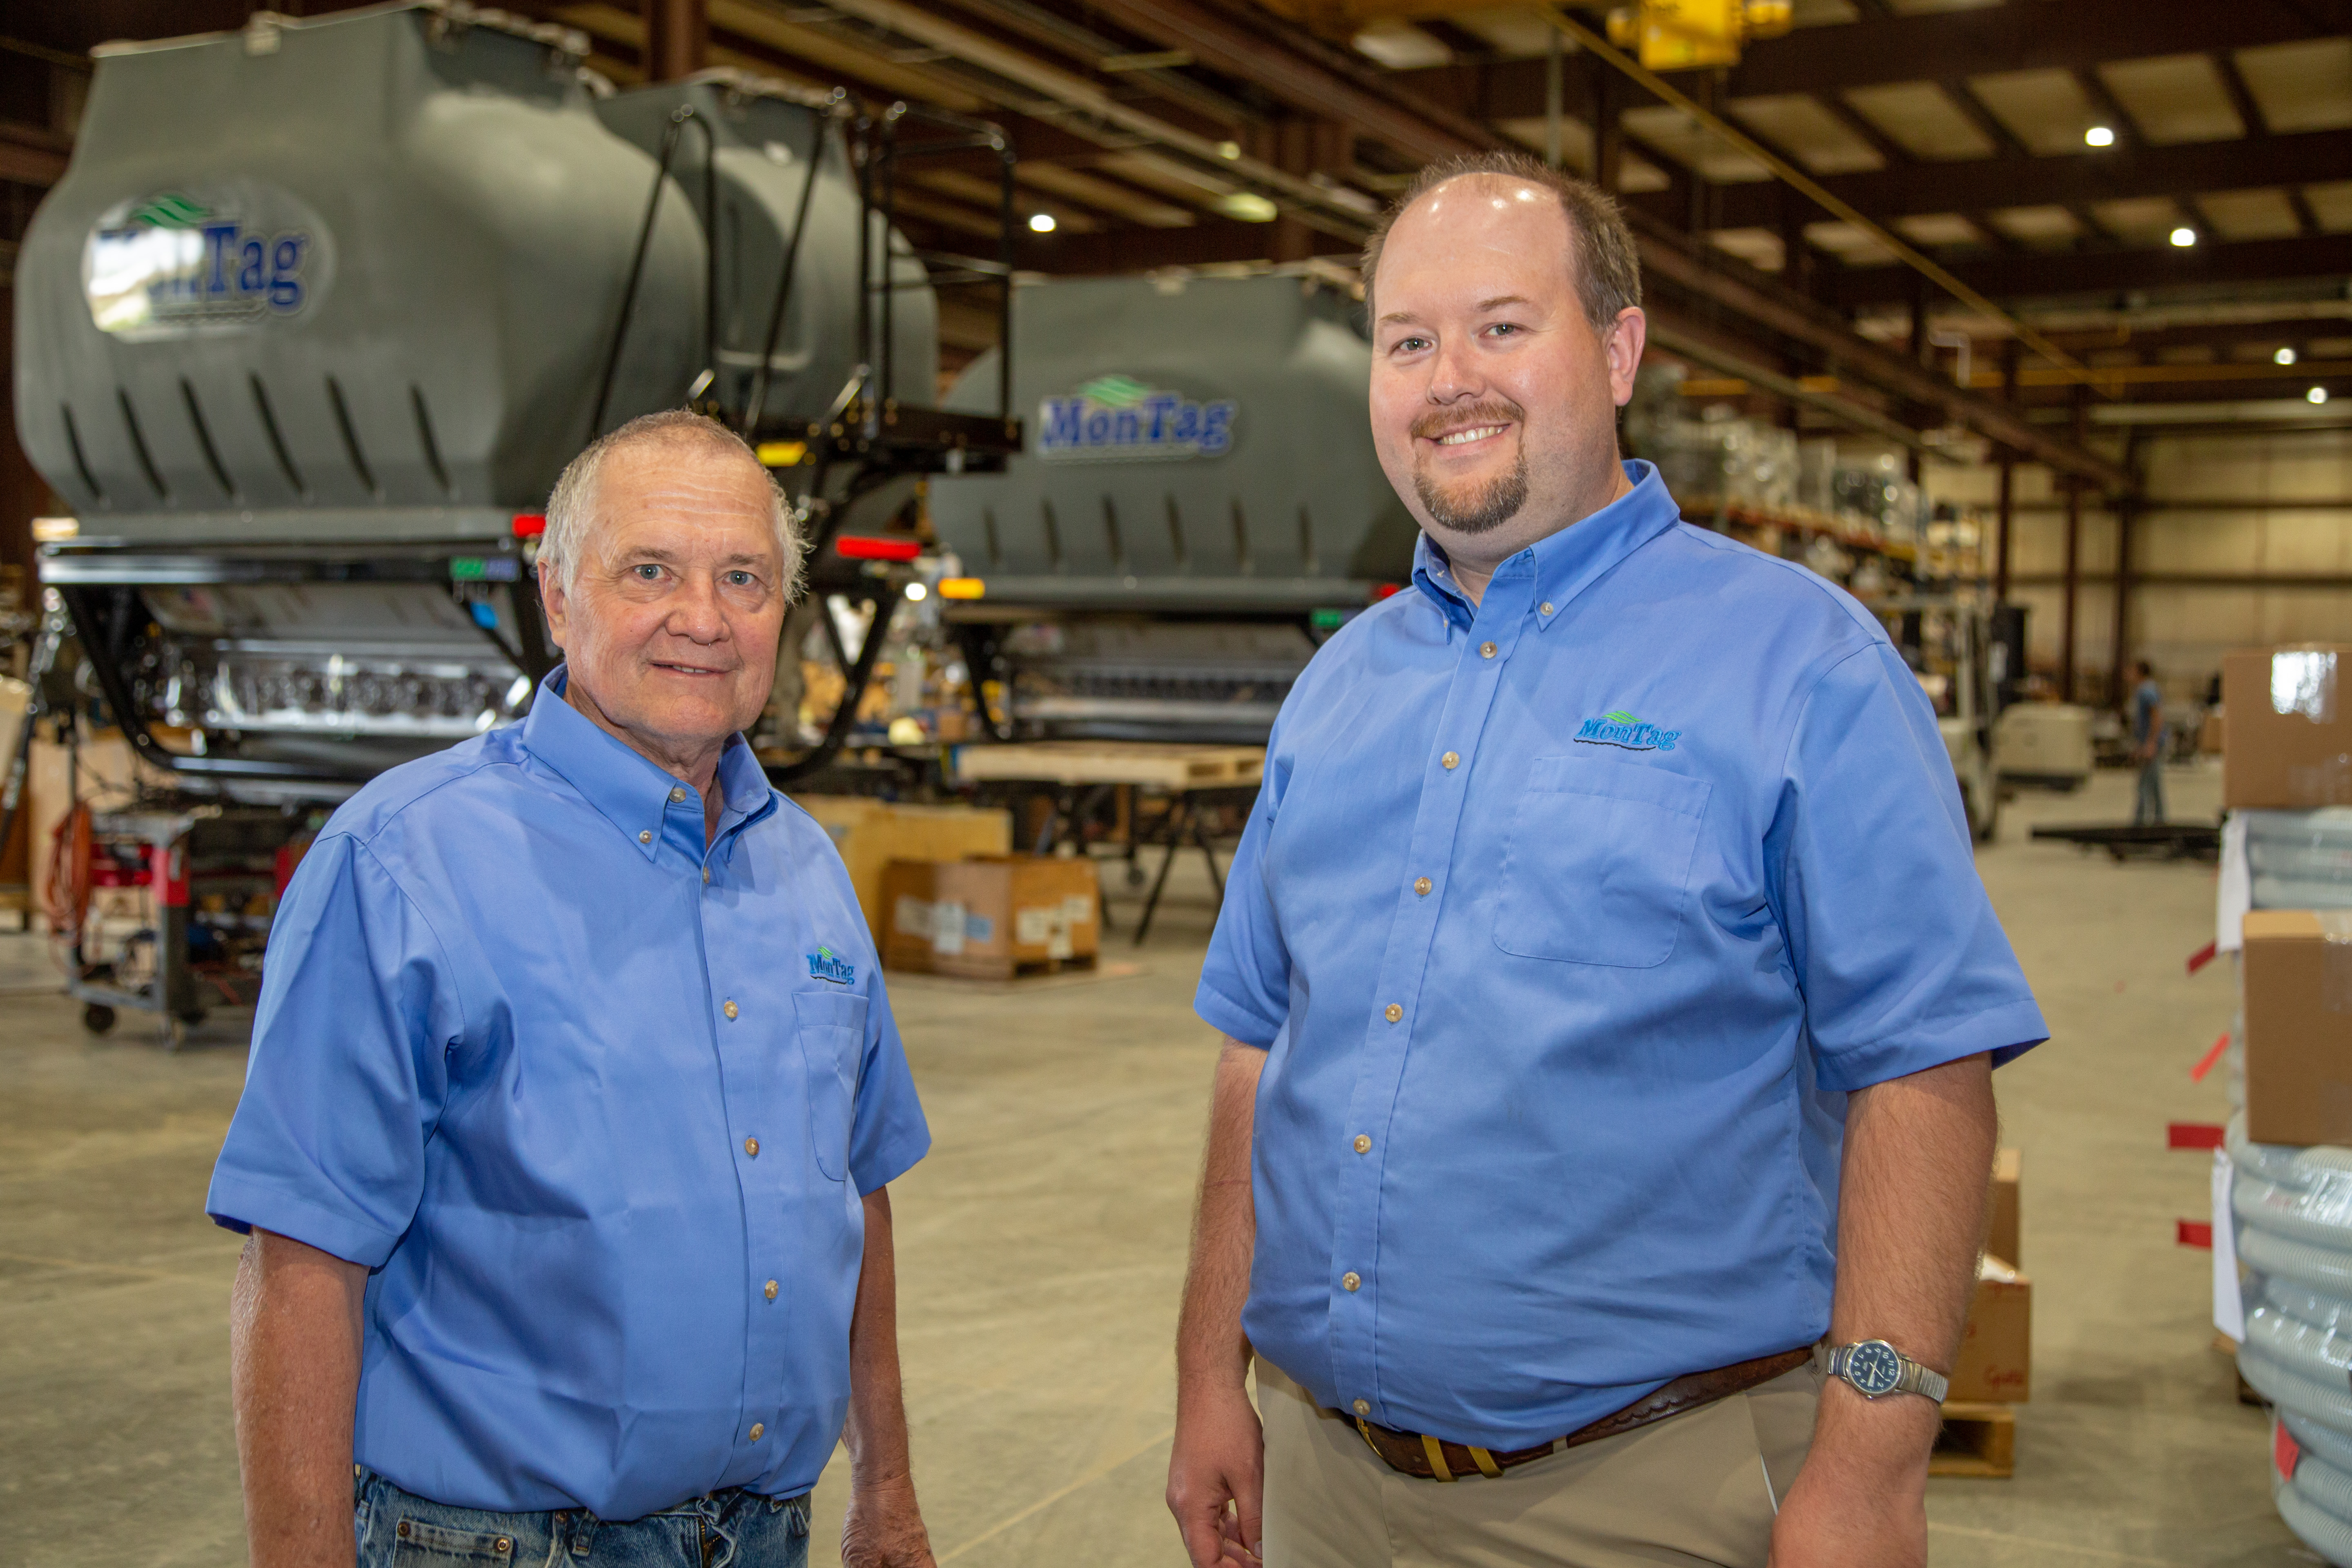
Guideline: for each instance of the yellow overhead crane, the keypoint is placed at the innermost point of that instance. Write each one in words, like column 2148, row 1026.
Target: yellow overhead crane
column 1694, row 34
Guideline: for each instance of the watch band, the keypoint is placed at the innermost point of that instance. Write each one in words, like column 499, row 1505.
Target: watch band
column 1913, row 1377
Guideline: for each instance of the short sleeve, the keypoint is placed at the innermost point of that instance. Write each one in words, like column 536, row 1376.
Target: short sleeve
column 348, row 1069
column 887, row 1134
column 1903, row 964
column 1245, row 980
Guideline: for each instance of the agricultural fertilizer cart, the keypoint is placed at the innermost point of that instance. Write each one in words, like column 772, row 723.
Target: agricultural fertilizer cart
column 322, row 307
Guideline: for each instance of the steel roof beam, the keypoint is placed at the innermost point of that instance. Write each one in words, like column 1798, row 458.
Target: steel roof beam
column 2105, row 272
column 2024, row 35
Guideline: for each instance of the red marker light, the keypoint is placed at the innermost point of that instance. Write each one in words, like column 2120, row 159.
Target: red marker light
column 529, row 524
column 866, row 547
column 1385, row 589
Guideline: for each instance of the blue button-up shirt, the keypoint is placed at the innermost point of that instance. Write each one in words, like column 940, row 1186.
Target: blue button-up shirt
column 1569, row 917
column 577, row 1086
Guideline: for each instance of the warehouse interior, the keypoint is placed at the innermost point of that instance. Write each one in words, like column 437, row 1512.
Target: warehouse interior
column 2027, row 322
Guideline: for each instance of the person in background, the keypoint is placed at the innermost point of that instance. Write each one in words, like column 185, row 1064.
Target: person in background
column 2147, row 746
column 573, row 1099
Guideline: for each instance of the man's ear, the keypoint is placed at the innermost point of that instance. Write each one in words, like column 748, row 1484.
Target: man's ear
column 553, row 603
column 1628, row 335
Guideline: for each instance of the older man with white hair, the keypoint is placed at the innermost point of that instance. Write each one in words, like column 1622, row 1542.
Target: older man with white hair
column 573, row 1101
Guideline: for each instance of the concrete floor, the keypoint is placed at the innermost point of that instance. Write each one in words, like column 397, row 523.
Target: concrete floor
column 1042, row 1251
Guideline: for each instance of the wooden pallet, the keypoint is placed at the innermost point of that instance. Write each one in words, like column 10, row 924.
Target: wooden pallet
column 1162, row 764
column 1978, row 1440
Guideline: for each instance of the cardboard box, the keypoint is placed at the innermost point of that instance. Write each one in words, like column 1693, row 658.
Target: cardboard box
column 2297, row 976
column 2288, row 743
column 2001, row 1231
column 1996, row 1363
column 2212, row 735
column 870, row 834
column 988, row 918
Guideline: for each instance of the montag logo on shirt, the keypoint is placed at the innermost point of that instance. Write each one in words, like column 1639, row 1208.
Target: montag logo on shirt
column 1622, row 730
column 826, row 964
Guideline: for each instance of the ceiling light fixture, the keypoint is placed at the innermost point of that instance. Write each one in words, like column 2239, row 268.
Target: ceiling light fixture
column 1041, row 223
column 2316, row 395
column 2284, row 356
column 2100, row 136
column 2184, row 236
column 1229, row 149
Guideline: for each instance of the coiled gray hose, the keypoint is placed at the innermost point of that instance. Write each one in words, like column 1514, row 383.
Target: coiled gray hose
column 2292, row 1209
column 2300, row 859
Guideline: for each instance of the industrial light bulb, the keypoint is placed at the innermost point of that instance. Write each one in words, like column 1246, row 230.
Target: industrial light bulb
column 2184, row 236
column 2316, row 395
column 1229, row 149
column 917, row 591
column 1041, row 223
column 2099, row 136
column 2284, row 356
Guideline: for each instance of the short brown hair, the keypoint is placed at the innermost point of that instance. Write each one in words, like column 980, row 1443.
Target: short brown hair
column 1607, row 265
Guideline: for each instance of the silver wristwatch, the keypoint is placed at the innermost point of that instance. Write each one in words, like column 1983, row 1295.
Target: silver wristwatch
column 1876, row 1368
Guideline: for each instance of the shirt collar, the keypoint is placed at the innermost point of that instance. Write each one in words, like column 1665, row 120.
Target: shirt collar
column 628, row 789
column 1566, row 562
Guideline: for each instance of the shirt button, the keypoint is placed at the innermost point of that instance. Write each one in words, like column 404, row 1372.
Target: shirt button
column 1363, row 1143
column 1452, row 760
column 768, row 1290
column 706, row 875
column 1543, row 609
column 728, row 1010
column 1363, row 1407
column 1351, row 1280
column 646, row 836
column 1391, row 1011
column 1422, row 885
column 1485, row 650
column 676, row 795
column 752, row 1147
column 759, row 1430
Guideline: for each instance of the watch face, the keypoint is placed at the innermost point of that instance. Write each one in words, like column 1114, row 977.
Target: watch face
column 1874, row 1367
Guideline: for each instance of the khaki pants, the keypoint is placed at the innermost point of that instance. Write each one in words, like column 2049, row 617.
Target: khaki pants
column 1698, row 1487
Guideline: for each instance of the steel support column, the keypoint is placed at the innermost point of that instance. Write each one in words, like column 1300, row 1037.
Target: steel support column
column 677, row 38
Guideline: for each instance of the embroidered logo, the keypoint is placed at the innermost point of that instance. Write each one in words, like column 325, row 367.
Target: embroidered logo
column 826, row 964
column 1622, row 730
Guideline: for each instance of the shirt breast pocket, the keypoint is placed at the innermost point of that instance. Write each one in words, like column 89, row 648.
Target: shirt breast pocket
column 1597, row 862
column 830, row 1028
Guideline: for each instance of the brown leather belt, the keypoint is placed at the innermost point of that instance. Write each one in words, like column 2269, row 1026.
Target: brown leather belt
column 1434, row 1458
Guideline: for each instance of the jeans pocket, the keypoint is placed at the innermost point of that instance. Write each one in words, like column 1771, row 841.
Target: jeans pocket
column 414, row 1542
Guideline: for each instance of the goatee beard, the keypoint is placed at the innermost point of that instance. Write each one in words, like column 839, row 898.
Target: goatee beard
column 1485, row 508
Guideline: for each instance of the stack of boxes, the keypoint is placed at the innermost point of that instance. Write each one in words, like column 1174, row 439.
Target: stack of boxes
column 2287, row 775
column 943, row 894
column 1995, row 1368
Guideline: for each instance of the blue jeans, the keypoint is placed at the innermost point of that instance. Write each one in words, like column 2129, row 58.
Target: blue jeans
column 2147, row 806
column 726, row 1529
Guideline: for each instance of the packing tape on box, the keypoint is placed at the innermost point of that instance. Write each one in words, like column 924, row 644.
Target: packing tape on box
column 2302, row 681
column 2335, row 959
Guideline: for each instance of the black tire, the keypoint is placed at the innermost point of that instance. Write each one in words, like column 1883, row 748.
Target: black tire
column 97, row 1017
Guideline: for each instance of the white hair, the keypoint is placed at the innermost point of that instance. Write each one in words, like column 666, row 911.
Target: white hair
column 572, row 505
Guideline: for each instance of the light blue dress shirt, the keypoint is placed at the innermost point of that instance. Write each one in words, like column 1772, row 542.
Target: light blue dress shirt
column 1569, row 918
column 577, row 1088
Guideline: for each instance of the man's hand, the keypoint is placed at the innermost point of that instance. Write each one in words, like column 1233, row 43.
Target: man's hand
column 1216, row 1476
column 1861, row 1500
column 884, row 1527
column 1216, row 1472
